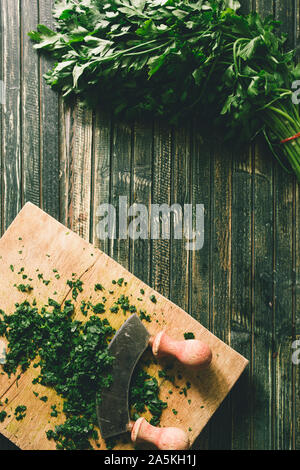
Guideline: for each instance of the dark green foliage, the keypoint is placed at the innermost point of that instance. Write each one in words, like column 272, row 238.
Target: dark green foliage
column 144, row 316
column 20, row 412
column 99, row 287
column 98, row 308
column 144, row 394
column 177, row 59
column 76, row 286
column 189, row 335
column 3, row 415
column 24, row 288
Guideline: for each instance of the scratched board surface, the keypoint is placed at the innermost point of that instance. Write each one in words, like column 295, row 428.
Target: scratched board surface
column 243, row 285
column 38, row 245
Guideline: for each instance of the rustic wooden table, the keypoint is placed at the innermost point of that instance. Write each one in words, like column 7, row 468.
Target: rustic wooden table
column 243, row 284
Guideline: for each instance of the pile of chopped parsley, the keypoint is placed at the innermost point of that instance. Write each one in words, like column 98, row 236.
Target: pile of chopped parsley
column 72, row 358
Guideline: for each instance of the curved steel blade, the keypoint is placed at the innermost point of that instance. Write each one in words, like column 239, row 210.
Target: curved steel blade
column 127, row 346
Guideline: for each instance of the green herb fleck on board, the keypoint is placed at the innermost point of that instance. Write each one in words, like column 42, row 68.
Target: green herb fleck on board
column 24, row 288
column 144, row 394
column 54, row 412
column 114, row 308
column 189, row 335
column 99, row 287
column 144, row 316
column 20, row 412
column 98, row 308
column 3, row 415
column 76, row 287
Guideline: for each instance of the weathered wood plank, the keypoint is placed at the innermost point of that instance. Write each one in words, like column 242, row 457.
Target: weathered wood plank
column 140, row 259
column 50, row 124
column 160, row 250
column 200, row 182
column 180, row 195
column 296, row 278
column 10, row 192
column 296, row 316
column 263, row 289
column 81, row 171
column 30, row 112
column 121, row 180
column 263, row 304
column 1, row 118
column 242, row 296
column 200, row 272
column 296, row 287
column 220, row 239
column 102, row 135
column 66, row 114
column 242, row 286
column 284, row 224
column 11, row 123
column 76, row 171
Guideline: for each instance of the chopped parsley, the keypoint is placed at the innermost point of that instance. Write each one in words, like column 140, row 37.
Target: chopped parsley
column 189, row 335
column 99, row 287
column 72, row 358
column 144, row 316
column 144, row 394
column 98, row 308
column 20, row 412
column 76, row 287
column 24, row 288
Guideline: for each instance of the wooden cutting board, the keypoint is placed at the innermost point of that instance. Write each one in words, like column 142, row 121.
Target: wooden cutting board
column 36, row 241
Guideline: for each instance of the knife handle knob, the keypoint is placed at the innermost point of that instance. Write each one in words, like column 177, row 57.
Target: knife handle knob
column 191, row 352
column 162, row 438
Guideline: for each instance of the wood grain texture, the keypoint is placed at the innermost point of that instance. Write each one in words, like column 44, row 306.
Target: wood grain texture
column 55, row 247
column 1, row 122
column 161, row 194
column 220, row 240
column 140, row 259
column 200, row 291
column 284, row 313
column 49, row 127
column 180, row 195
column 263, row 246
column 242, row 294
column 101, row 174
column 11, row 116
column 30, row 115
column 121, row 181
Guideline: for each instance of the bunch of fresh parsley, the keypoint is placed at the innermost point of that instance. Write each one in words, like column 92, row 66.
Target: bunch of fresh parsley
column 178, row 59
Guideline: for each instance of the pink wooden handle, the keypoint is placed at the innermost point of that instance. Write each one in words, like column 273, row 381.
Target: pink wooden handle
column 191, row 352
column 162, row 438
